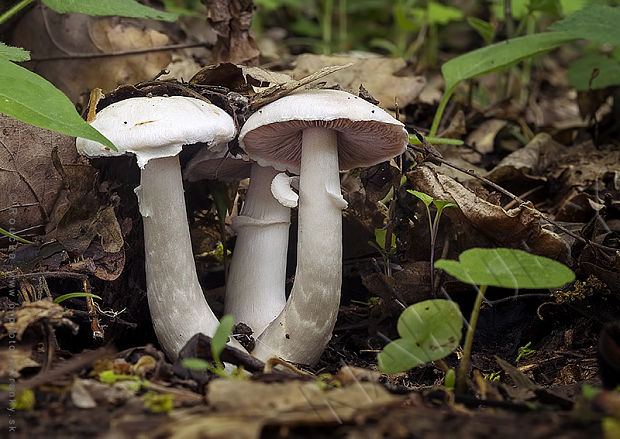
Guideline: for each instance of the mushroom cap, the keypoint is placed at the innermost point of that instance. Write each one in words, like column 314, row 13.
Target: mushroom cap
column 157, row 127
column 220, row 165
column 367, row 135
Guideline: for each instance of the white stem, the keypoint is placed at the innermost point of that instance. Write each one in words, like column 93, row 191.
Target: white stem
column 178, row 307
column 255, row 290
column 301, row 331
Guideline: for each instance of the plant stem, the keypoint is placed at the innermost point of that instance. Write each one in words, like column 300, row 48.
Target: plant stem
column 440, row 109
column 342, row 25
column 328, row 6
column 14, row 10
column 461, row 378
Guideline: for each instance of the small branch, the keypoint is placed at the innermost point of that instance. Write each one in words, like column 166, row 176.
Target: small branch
column 121, row 53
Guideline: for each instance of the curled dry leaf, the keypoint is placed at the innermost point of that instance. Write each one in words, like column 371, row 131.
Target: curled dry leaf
column 33, row 312
column 520, row 227
column 29, row 182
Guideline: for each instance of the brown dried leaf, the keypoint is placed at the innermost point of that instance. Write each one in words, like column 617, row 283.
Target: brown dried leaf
column 245, row 407
column 238, row 78
column 520, row 227
column 27, row 174
column 379, row 75
column 47, row 34
column 33, row 312
column 13, row 360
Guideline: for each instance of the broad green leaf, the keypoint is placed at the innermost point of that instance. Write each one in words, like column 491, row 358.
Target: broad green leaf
column 440, row 14
column 220, row 338
column 580, row 72
column 11, row 53
column 596, row 23
column 485, row 29
column 430, row 330
column 426, row 199
column 72, row 295
column 123, row 8
column 195, row 364
column 507, row 268
column 30, row 98
column 499, row 56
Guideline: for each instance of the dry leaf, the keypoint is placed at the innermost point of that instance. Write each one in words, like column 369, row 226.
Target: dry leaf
column 12, row 361
column 379, row 75
column 46, row 34
column 520, row 227
column 231, row 20
column 33, row 312
column 27, row 175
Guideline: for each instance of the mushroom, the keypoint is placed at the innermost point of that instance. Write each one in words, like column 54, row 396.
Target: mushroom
column 255, row 287
column 318, row 133
column 155, row 130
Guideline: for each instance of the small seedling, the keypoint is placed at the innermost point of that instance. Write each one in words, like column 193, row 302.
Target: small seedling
column 504, row 268
column 381, row 245
column 218, row 342
column 433, row 224
column 525, row 352
column 429, row 331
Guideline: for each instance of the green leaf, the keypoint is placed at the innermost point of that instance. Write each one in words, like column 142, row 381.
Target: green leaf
column 15, row 237
column 72, row 295
column 11, row 53
column 596, row 23
column 440, row 14
column 485, row 29
column 580, row 72
column 430, row 330
column 195, row 364
column 442, row 204
column 30, row 98
column 507, row 268
column 498, row 56
column 123, row 8
column 426, row 199
column 220, row 338
column 380, row 235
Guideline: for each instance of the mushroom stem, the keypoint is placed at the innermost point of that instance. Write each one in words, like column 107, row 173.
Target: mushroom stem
column 255, row 292
column 176, row 301
column 303, row 328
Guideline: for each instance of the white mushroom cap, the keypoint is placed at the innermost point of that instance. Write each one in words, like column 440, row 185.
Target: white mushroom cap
column 157, row 127
column 217, row 165
column 367, row 135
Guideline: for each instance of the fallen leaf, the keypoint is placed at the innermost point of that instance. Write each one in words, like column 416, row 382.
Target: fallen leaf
column 33, row 312
column 27, row 175
column 378, row 75
column 520, row 227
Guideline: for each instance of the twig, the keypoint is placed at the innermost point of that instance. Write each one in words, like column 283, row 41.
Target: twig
column 120, row 53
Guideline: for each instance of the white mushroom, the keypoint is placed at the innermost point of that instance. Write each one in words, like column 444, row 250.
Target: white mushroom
column 255, row 287
column 316, row 132
column 155, row 130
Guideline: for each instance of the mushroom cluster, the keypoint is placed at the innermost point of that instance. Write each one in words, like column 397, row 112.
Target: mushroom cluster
column 314, row 134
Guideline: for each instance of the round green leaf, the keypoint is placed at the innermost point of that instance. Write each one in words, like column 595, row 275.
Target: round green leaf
column 507, row 268
column 430, row 330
